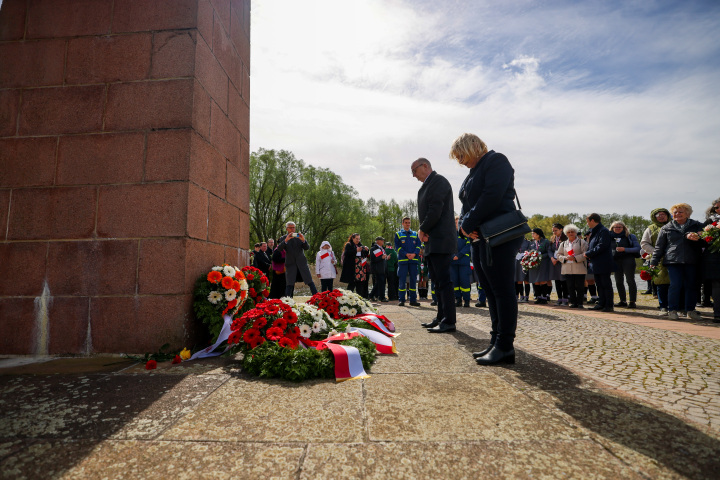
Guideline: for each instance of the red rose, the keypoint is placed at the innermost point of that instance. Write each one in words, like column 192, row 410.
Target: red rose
column 176, row 360
column 151, row 365
column 250, row 277
column 708, row 239
column 644, row 275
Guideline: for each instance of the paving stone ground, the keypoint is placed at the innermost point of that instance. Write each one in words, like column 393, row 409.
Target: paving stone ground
column 591, row 396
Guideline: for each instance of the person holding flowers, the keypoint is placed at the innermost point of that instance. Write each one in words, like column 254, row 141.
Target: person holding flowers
column 556, row 267
column 354, row 259
column 711, row 256
column 570, row 255
column 540, row 276
column 679, row 248
column 659, row 218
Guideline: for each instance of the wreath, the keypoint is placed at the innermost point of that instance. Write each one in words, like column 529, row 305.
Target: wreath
column 270, row 335
column 341, row 303
column 530, row 260
column 221, row 291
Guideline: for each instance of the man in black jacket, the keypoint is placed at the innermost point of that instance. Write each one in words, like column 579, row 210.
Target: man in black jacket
column 437, row 230
column 294, row 245
column 599, row 254
column 261, row 260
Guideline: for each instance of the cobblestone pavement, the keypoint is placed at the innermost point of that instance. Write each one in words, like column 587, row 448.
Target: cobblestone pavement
column 677, row 372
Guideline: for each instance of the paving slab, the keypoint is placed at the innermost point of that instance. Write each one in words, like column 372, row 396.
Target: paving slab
column 437, row 358
column 543, row 459
column 249, row 409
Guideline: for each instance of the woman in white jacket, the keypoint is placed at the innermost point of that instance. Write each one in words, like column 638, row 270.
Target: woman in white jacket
column 574, row 266
column 325, row 266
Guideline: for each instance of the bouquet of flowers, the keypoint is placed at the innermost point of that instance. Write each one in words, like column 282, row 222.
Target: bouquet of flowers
column 530, row 260
column 648, row 272
column 258, row 287
column 340, row 303
column 711, row 236
column 222, row 291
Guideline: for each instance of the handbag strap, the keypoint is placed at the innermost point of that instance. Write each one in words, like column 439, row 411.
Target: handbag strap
column 517, row 199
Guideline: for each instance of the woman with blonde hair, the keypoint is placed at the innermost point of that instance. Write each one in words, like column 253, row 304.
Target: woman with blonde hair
column 679, row 249
column 488, row 192
column 626, row 248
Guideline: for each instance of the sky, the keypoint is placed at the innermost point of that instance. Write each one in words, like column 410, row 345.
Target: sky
column 605, row 106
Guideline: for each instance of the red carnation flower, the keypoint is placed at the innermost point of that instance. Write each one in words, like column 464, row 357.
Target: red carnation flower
column 274, row 333
column 252, row 292
column 176, row 360
column 250, row 277
column 266, row 292
column 251, row 335
column 151, row 365
column 287, row 343
column 280, row 323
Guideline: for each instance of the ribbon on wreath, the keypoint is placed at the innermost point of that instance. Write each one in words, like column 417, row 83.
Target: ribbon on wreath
column 348, row 363
column 383, row 344
column 380, row 322
column 224, row 334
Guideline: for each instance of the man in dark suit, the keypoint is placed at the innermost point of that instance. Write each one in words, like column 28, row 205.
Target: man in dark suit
column 599, row 253
column 261, row 260
column 437, row 231
column 294, row 244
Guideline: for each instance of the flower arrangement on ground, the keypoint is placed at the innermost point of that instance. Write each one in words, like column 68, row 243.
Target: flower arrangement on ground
column 311, row 320
column 221, row 291
column 530, row 260
column 258, row 287
column 711, row 236
column 341, row 303
column 269, row 338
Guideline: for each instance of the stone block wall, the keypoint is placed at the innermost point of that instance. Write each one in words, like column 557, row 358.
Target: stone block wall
column 124, row 159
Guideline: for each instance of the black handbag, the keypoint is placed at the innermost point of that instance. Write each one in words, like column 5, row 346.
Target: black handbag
column 502, row 229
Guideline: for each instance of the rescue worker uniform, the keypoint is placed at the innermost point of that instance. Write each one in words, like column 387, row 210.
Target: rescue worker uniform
column 460, row 271
column 407, row 241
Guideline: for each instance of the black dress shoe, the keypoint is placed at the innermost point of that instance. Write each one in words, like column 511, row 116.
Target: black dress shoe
column 621, row 304
column 433, row 303
column 495, row 355
column 480, row 354
column 481, row 304
column 414, row 304
column 597, row 307
column 442, row 328
column 432, row 324
column 384, row 300
column 458, row 302
column 608, row 309
column 467, row 305
column 632, row 305
column 401, row 304
column 572, row 305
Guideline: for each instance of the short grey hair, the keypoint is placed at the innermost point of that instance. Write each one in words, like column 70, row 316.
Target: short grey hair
column 571, row 228
column 289, row 223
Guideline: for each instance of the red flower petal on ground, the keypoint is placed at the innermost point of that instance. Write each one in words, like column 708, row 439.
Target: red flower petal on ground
column 214, row 276
column 176, row 360
column 151, row 365
column 227, row 282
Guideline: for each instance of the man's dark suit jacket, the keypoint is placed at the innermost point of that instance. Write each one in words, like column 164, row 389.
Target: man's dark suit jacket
column 262, row 261
column 437, row 215
column 600, row 250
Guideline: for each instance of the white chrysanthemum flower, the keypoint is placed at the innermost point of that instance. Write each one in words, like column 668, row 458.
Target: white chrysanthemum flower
column 215, row 297
column 345, row 310
column 316, row 327
column 305, row 331
column 323, row 325
column 230, row 295
column 342, row 300
column 229, row 271
column 333, row 332
column 217, row 269
column 243, row 285
column 288, row 301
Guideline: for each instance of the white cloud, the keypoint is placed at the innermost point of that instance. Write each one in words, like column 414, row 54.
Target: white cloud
column 365, row 88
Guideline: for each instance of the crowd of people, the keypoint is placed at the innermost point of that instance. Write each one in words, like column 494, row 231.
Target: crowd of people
column 449, row 252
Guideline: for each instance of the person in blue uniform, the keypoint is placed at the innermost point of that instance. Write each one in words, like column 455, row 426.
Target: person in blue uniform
column 407, row 245
column 460, row 269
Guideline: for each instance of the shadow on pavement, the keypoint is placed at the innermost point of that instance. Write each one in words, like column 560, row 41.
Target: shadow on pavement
column 625, row 427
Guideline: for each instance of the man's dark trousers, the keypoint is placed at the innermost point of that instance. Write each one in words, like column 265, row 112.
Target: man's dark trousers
column 439, row 269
